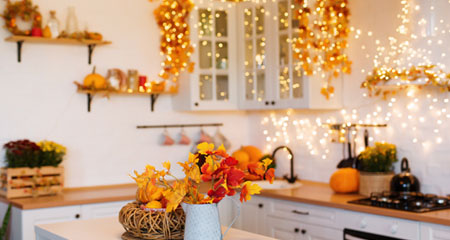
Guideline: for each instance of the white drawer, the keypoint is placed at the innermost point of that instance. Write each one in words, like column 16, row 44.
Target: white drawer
column 385, row 226
column 434, row 232
column 303, row 212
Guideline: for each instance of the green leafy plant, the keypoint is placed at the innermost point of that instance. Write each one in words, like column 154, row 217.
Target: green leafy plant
column 5, row 222
column 379, row 158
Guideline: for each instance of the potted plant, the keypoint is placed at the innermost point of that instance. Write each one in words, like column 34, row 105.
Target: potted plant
column 32, row 169
column 159, row 200
column 376, row 168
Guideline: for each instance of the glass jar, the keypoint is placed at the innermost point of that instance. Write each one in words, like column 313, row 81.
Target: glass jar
column 133, row 80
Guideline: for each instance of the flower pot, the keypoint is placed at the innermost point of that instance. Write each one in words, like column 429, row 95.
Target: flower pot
column 203, row 223
column 31, row 182
column 374, row 182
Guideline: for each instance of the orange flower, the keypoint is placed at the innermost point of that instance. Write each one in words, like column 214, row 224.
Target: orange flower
column 270, row 175
column 249, row 189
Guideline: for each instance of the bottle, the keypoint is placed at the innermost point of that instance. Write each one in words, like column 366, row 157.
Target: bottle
column 53, row 24
column 71, row 22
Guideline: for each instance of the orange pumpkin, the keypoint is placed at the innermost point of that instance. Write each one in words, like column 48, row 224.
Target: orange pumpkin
column 345, row 180
column 243, row 159
column 253, row 152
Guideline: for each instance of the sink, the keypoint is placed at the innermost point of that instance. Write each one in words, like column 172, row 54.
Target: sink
column 277, row 184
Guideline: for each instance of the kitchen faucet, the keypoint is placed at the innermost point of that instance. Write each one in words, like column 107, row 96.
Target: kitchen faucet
column 291, row 178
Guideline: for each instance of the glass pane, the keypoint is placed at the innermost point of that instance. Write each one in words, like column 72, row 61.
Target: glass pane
column 260, row 86
column 248, row 22
column 295, row 7
column 205, row 87
column 205, row 24
column 284, row 83
column 297, row 85
column 259, row 20
column 205, row 54
column 260, row 53
column 221, row 55
column 221, row 24
column 248, row 54
column 249, row 86
column 284, row 50
column 222, row 87
column 283, row 15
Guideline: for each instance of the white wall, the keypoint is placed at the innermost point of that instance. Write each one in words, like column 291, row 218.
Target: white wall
column 38, row 99
column 429, row 161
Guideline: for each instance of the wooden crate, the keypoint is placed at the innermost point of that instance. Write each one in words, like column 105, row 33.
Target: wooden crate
column 28, row 182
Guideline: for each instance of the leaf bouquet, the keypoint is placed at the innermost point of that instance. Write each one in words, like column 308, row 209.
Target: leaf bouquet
column 219, row 170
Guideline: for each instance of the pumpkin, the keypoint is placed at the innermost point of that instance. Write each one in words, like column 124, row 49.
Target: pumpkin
column 95, row 81
column 253, row 152
column 345, row 180
column 243, row 159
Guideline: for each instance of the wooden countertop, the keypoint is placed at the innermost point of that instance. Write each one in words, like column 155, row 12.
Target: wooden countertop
column 310, row 192
column 110, row 228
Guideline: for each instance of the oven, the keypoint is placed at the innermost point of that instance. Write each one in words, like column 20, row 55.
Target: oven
column 350, row 234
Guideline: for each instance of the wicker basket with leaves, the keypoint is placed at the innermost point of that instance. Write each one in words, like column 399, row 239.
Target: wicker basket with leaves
column 145, row 224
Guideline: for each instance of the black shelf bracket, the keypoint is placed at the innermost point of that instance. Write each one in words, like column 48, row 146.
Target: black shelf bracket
column 19, row 51
column 89, row 101
column 153, row 98
column 90, row 51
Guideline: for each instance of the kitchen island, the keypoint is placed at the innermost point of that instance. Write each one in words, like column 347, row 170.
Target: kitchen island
column 110, row 229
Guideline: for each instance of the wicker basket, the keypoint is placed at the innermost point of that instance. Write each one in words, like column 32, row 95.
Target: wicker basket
column 152, row 225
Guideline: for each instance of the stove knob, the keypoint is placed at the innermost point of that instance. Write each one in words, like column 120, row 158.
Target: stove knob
column 394, row 228
column 363, row 223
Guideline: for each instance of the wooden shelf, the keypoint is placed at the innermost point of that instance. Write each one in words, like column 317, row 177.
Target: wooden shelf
column 91, row 44
column 90, row 94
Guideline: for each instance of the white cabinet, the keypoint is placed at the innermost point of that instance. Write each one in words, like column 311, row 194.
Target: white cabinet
column 380, row 225
column 270, row 77
column 101, row 210
column 23, row 221
column 32, row 217
column 213, row 83
column 434, row 232
column 253, row 215
column 287, row 230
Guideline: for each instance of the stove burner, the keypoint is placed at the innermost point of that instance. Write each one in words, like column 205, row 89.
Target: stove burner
column 407, row 201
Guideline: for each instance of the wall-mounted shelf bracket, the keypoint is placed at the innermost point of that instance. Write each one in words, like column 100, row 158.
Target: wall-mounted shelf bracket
column 89, row 101
column 91, row 48
column 153, row 98
column 19, row 51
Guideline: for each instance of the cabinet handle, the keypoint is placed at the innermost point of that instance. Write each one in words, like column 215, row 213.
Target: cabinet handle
column 273, row 102
column 303, row 231
column 267, row 103
column 300, row 213
column 196, row 104
column 260, row 205
column 77, row 216
column 296, row 230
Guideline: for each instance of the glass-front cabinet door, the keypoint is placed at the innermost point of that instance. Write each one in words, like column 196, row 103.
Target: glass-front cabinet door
column 254, row 61
column 213, row 82
column 290, row 89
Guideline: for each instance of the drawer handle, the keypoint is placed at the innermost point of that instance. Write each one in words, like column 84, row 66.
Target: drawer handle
column 300, row 212
column 260, row 205
column 77, row 216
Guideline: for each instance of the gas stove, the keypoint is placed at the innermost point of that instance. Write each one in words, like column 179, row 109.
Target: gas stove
column 412, row 202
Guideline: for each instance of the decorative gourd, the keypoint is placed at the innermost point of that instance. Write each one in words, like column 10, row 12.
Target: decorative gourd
column 95, row 81
column 253, row 152
column 243, row 159
column 345, row 180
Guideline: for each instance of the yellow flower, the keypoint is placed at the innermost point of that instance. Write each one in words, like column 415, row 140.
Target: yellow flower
column 166, row 165
column 205, row 147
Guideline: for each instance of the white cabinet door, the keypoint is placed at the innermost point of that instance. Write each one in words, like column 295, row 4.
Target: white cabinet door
column 282, row 229
column 213, row 83
column 434, row 232
column 32, row 217
column 253, row 215
column 101, row 210
column 313, row 232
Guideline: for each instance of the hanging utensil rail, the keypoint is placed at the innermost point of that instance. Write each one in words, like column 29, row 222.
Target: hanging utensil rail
column 182, row 125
